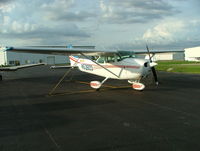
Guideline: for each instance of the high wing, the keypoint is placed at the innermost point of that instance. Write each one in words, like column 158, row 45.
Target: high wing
column 60, row 51
column 14, row 68
column 142, row 52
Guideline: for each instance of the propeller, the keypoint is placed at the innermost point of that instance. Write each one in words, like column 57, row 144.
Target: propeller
column 152, row 64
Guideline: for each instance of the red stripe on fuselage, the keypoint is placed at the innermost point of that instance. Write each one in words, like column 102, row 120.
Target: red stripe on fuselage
column 105, row 66
column 73, row 59
column 117, row 66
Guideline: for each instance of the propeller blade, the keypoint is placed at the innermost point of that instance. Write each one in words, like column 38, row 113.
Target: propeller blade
column 154, row 75
column 152, row 64
column 148, row 53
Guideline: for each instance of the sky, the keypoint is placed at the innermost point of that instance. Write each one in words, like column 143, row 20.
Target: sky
column 107, row 24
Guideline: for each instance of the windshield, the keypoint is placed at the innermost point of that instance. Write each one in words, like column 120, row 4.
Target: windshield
column 126, row 54
column 116, row 57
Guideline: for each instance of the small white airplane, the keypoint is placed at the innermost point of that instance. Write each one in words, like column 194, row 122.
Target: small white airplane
column 121, row 65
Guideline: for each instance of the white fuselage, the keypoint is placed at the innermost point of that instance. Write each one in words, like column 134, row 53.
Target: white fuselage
column 126, row 69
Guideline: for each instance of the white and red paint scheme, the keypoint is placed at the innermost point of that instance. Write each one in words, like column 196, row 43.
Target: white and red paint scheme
column 131, row 69
column 111, row 64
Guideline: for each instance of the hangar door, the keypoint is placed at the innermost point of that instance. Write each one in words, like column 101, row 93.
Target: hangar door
column 51, row 60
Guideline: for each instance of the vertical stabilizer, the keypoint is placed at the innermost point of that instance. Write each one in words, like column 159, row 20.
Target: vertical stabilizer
column 73, row 60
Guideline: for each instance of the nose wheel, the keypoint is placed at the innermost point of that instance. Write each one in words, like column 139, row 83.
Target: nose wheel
column 136, row 85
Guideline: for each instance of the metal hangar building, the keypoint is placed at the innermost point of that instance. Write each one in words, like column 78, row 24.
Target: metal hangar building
column 192, row 54
column 12, row 58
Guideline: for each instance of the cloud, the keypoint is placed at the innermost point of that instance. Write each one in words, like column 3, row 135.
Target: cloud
column 137, row 11
column 164, row 31
column 34, row 27
column 45, row 35
column 58, row 5
column 161, row 22
column 27, row 30
column 71, row 16
column 5, row 1
column 169, row 34
column 172, row 33
column 6, row 6
column 63, row 11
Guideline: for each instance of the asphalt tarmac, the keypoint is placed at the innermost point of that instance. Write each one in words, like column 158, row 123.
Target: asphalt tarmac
column 163, row 118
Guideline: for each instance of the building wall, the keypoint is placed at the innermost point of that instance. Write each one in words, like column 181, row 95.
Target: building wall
column 161, row 56
column 3, row 58
column 179, row 56
column 164, row 56
column 192, row 54
column 27, row 58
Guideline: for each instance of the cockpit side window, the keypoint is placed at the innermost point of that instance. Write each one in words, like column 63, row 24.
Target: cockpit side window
column 116, row 57
column 107, row 59
column 110, row 59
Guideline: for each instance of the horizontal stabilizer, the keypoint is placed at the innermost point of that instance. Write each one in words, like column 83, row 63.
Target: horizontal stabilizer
column 14, row 68
column 61, row 67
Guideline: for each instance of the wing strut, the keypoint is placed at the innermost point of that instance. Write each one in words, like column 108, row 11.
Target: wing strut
column 54, row 88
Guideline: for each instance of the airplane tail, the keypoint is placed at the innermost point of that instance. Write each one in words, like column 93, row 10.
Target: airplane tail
column 73, row 60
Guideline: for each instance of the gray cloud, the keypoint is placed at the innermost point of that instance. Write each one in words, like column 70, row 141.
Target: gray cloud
column 137, row 11
column 5, row 1
column 135, row 17
column 175, row 45
column 144, row 4
column 174, row 34
column 71, row 16
column 54, row 21
column 61, row 10
column 49, row 35
column 3, row 5
column 34, row 27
